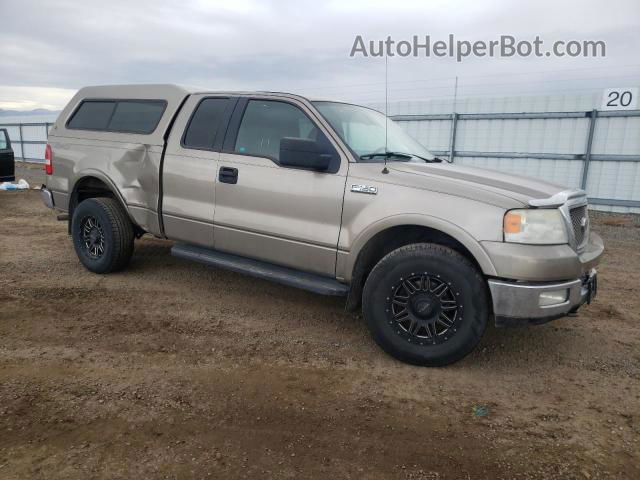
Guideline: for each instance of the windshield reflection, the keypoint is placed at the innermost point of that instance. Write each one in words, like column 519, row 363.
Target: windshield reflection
column 363, row 130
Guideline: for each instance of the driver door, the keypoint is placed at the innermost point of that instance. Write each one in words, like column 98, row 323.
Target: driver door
column 282, row 215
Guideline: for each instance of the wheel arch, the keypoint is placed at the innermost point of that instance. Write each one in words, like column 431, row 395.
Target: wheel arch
column 93, row 184
column 395, row 232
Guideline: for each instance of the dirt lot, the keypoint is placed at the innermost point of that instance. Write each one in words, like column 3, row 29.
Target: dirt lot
column 176, row 370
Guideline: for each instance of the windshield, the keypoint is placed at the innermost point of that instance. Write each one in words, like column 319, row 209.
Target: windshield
column 363, row 129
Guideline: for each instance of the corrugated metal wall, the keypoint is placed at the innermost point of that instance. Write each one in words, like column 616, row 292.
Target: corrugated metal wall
column 610, row 179
column 618, row 180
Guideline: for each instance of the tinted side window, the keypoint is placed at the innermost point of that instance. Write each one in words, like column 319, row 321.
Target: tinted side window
column 204, row 124
column 4, row 142
column 92, row 115
column 136, row 116
column 127, row 116
column 265, row 123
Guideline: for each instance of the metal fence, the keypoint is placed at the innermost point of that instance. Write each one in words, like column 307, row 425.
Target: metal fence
column 625, row 135
column 31, row 138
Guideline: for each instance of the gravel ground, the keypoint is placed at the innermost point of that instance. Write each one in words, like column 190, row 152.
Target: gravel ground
column 176, row 370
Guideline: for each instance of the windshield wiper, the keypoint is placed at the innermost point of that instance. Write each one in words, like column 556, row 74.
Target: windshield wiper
column 428, row 160
column 369, row 156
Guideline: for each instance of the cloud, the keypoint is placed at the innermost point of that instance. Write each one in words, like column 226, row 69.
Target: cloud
column 300, row 46
column 29, row 98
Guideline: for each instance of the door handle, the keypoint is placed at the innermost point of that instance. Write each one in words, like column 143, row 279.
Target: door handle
column 228, row 175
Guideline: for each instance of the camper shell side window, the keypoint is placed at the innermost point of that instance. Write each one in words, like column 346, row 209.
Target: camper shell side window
column 122, row 116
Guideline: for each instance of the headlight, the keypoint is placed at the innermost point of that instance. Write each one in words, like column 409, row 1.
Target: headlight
column 543, row 226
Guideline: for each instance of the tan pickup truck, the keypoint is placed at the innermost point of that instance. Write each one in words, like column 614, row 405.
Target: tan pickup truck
column 330, row 197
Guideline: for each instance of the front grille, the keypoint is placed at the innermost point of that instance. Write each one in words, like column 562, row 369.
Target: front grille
column 580, row 223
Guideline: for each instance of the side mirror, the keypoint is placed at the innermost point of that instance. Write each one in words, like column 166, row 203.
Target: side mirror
column 304, row 153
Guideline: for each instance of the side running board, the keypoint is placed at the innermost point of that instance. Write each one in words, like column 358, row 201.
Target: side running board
column 256, row 268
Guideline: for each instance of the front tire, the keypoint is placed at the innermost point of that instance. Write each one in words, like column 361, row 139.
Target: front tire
column 102, row 235
column 426, row 304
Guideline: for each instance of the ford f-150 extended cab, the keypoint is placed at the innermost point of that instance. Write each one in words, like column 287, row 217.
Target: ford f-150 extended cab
column 326, row 196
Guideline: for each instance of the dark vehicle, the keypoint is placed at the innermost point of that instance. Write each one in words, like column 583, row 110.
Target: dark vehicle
column 7, row 165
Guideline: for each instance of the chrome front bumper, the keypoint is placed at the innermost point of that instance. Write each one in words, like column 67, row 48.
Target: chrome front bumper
column 519, row 303
column 47, row 197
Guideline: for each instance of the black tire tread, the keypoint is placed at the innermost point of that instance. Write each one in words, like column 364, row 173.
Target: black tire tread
column 480, row 300
column 427, row 247
column 122, row 230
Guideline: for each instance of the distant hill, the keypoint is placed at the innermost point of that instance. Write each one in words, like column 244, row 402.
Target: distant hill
column 20, row 113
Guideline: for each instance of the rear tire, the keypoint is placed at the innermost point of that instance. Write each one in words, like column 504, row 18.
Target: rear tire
column 102, row 235
column 426, row 304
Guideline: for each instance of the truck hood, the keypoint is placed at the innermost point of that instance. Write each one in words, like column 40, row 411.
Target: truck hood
column 470, row 179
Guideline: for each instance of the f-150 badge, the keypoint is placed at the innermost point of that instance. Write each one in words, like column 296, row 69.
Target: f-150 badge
column 364, row 189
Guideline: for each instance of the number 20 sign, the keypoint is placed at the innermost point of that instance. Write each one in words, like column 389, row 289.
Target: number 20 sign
column 620, row 99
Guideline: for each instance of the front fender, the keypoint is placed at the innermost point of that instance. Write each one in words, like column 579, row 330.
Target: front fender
column 346, row 259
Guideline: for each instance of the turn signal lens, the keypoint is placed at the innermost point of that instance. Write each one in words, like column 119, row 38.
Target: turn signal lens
column 542, row 226
column 512, row 222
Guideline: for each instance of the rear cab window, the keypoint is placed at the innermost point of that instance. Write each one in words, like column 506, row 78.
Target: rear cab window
column 204, row 124
column 123, row 116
